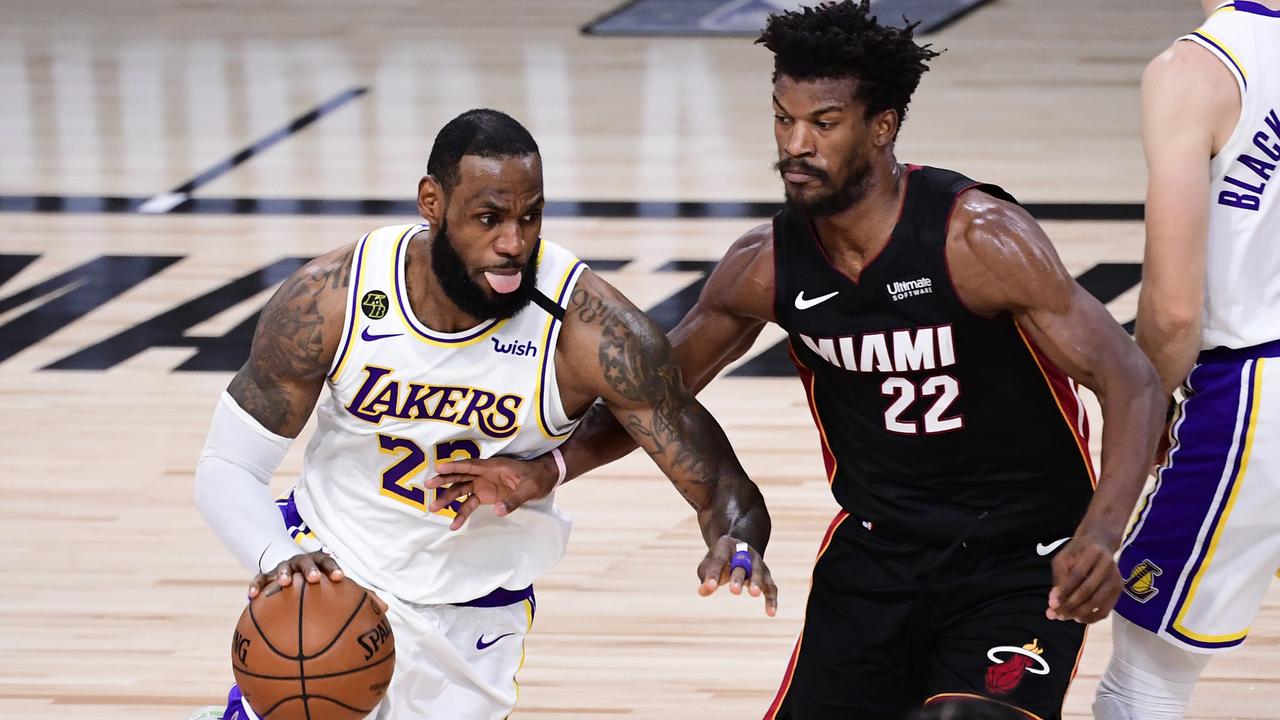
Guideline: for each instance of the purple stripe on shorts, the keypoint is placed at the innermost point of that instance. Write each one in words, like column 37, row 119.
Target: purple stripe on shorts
column 1222, row 354
column 1185, row 492
column 1250, row 400
column 501, row 597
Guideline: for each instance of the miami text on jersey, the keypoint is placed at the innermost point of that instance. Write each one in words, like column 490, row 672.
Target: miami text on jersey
column 898, row 351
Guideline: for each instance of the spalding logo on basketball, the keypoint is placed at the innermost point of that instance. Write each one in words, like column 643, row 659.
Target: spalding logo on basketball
column 317, row 652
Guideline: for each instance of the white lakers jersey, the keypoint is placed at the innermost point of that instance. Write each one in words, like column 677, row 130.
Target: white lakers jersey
column 404, row 397
column 1242, row 283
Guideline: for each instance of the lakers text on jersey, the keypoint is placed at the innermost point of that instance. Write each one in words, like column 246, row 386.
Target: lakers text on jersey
column 403, row 397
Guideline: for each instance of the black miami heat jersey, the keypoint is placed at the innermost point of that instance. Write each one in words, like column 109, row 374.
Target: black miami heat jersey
column 935, row 422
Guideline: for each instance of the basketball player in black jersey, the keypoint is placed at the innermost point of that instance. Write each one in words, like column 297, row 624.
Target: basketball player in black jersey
column 939, row 339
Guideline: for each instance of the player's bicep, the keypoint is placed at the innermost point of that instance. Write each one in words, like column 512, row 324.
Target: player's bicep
column 732, row 309
column 616, row 350
column 1079, row 335
column 1008, row 264
column 294, row 343
column 1182, row 100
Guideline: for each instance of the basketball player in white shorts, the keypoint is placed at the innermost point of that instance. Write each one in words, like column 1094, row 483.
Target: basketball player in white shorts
column 466, row 336
column 1205, row 543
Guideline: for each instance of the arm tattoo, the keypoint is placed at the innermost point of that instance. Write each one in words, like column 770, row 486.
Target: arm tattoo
column 637, row 364
column 288, row 344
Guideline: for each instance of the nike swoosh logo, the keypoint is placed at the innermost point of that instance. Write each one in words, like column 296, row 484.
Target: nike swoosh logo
column 366, row 335
column 1042, row 549
column 802, row 304
column 481, row 644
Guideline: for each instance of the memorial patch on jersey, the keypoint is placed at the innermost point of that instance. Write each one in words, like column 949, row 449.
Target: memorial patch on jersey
column 383, row 396
column 374, row 304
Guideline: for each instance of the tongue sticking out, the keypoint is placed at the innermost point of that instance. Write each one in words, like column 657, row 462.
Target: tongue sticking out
column 503, row 283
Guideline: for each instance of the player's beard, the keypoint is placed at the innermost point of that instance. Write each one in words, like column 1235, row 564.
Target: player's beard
column 466, row 292
column 833, row 200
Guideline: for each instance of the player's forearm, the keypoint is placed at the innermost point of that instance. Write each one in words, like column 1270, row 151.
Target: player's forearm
column 598, row 440
column 241, row 512
column 736, row 509
column 231, row 489
column 702, row 466
column 1171, row 343
column 1133, row 410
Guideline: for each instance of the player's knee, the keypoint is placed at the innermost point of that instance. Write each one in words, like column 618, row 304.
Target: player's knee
column 1147, row 677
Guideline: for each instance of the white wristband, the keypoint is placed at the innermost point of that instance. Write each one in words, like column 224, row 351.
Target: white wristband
column 564, row 471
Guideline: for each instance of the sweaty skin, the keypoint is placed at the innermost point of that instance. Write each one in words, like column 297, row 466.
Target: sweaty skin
column 1000, row 261
column 607, row 349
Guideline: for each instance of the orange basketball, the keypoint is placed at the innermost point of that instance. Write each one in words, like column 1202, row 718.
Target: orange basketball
column 313, row 652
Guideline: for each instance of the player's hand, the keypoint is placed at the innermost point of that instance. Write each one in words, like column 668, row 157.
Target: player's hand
column 504, row 483
column 715, row 570
column 309, row 565
column 1086, row 581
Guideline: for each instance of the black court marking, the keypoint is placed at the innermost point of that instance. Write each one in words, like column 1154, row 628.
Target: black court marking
column 64, row 298
column 175, row 198
column 746, row 18
column 595, row 209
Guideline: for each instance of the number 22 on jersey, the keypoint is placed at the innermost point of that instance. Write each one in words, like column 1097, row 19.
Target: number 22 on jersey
column 411, row 461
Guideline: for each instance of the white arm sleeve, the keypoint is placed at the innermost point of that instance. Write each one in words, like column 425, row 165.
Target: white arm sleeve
column 232, row 491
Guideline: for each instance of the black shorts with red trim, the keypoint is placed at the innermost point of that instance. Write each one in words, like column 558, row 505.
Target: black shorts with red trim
column 893, row 624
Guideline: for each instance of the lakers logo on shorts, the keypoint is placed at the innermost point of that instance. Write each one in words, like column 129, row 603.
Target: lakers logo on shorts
column 1141, row 585
column 374, row 304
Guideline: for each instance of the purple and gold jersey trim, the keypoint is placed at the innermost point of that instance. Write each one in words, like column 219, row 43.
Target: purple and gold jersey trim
column 416, row 328
column 352, row 303
column 570, row 278
column 1204, row 39
column 1252, row 8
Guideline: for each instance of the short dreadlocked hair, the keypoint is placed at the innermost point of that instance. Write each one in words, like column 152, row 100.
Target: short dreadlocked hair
column 843, row 39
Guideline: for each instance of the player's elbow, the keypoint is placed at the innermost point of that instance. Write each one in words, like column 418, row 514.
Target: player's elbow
column 1172, row 321
column 1138, row 383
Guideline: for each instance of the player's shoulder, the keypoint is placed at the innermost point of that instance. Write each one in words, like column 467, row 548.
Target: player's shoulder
column 984, row 220
column 1184, row 60
column 328, row 277
column 325, row 277
column 751, row 254
column 992, row 240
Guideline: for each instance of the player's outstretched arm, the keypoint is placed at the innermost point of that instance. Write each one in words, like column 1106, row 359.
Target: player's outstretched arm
column 1001, row 261
column 734, row 305
column 619, row 355
column 265, row 406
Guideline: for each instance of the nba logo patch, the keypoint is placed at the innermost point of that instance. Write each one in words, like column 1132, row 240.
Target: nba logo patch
column 1141, row 585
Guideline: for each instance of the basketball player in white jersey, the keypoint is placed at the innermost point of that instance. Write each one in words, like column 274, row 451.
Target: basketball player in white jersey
column 462, row 337
column 1206, row 542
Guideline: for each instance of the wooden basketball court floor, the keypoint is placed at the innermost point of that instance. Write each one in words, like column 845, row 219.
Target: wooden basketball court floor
column 118, row 602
